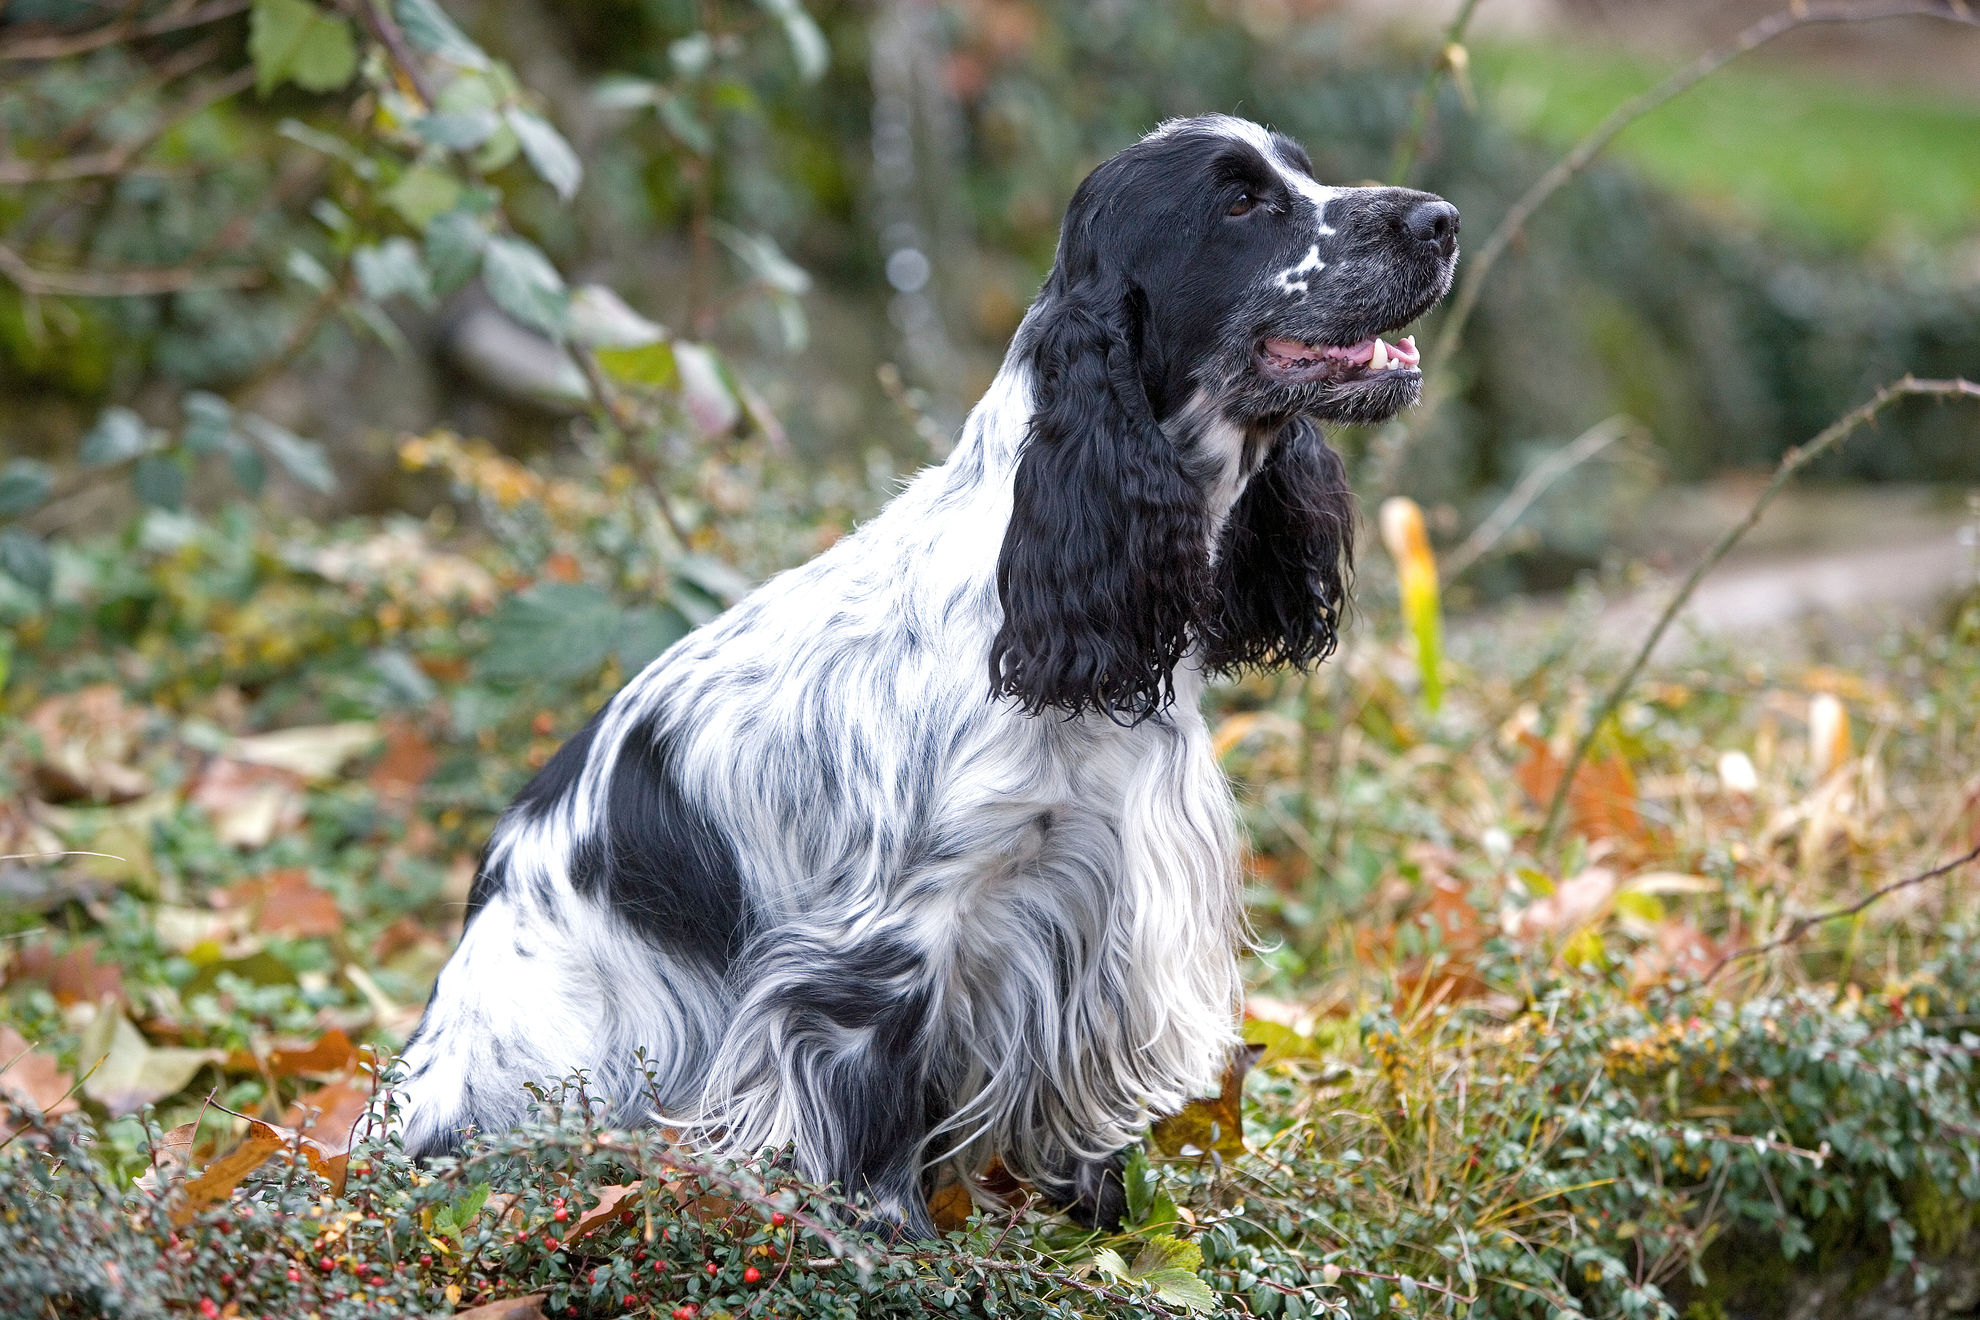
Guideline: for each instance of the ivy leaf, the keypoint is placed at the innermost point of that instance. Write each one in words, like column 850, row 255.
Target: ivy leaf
column 454, row 240
column 24, row 483
column 421, row 194
column 524, row 284
column 209, row 424
column 644, row 633
column 302, row 459
column 548, row 153
column 119, row 434
column 160, row 481
column 808, row 45
column 386, row 270
column 427, row 26
column 601, row 319
column 296, row 41
column 555, row 630
column 24, row 557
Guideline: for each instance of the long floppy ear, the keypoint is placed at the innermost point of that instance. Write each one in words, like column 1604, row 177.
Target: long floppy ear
column 1285, row 558
column 1105, row 561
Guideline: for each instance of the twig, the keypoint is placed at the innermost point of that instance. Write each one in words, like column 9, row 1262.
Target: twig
column 610, row 407
column 57, row 47
column 1792, row 463
column 1585, row 151
column 1802, row 925
column 1530, row 488
column 118, row 159
column 117, row 284
column 382, row 25
column 1426, row 96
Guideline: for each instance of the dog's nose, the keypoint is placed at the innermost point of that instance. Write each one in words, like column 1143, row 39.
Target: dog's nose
column 1433, row 221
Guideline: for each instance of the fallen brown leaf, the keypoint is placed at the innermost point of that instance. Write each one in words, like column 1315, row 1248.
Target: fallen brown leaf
column 89, row 738
column 408, row 761
column 285, row 903
column 75, row 977
column 31, row 1078
column 514, row 1308
column 218, row 1180
column 170, row 1159
column 126, row 1072
column 338, row 1108
column 1214, row 1125
column 1602, row 799
column 249, row 803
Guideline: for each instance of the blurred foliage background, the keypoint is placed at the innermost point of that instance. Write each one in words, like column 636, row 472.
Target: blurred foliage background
column 382, row 383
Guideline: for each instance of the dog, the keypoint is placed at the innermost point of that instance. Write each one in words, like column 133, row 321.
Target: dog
column 920, row 854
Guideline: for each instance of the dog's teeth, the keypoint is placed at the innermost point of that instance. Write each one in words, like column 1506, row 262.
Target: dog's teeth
column 1380, row 362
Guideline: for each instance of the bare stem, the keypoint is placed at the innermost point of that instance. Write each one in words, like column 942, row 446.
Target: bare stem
column 1793, row 462
column 1802, row 925
column 1530, row 488
column 1426, row 96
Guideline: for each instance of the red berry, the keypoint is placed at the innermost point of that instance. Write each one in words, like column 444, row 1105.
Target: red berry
column 752, row 1274
column 594, row 1276
column 326, row 1264
column 713, row 1269
column 295, row 1276
column 632, row 1300
column 640, row 1254
column 208, row 1308
column 659, row 1267
column 560, row 1214
column 557, row 1201
column 626, row 1217
column 378, row 1281
column 426, row 1260
column 226, row 1278
column 777, row 1218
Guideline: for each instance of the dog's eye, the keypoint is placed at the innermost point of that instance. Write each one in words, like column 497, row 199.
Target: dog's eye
column 1243, row 204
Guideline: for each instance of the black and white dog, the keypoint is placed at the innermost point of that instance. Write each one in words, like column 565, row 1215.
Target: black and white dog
column 920, row 854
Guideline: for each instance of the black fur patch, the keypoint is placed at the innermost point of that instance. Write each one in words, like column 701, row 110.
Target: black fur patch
column 659, row 862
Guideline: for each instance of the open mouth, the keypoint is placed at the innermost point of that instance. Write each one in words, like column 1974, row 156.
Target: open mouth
column 1295, row 362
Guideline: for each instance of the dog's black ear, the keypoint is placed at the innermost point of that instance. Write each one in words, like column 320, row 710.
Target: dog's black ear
column 1105, row 562
column 1284, row 558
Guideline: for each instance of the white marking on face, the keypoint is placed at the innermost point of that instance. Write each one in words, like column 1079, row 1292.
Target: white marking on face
column 1310, row 263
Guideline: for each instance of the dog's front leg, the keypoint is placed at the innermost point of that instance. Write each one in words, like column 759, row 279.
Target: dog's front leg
column 831, row 1050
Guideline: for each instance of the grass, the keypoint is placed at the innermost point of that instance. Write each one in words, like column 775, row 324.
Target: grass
column 1831, row 161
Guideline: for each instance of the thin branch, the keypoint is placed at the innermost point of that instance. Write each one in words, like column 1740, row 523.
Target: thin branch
column 1798, row 14
column 78, row 43
column 118, row 159
column 117, row 284
column 379, row 20
column 1793, row 462
column 1530, row 488
column 1802, row 925
column 1426, row 96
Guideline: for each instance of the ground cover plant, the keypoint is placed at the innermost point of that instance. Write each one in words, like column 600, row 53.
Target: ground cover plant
column 1577, row 991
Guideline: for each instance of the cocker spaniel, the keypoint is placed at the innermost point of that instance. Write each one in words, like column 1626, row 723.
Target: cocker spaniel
column 920, row 854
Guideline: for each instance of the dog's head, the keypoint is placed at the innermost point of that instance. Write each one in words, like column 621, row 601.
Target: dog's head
column 1209, row 299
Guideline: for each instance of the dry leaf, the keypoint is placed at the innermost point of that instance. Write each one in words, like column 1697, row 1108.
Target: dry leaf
column 407, row 763
column 217, row 1181
column 605, row 1211
column 284, row 902
column 75, row 977
column 338, row 1108
column 249, row 803
column 332, row 1052
column 1214, row 1125
column 1602, row 799
column 170, row 1159
column 315, row 752
column 133, row 1073
column 515, row 1308
column 1573, row 904
column 88, row 740
column 30, row 1078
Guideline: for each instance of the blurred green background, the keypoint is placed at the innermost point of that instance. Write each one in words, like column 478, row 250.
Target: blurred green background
column 1746, row 262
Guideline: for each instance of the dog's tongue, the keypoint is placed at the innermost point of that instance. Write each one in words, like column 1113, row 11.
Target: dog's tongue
column 1402, row 353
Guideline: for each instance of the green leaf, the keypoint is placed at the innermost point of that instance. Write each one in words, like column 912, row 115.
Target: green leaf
column 651, row 365
column 705, row 391
column 209, row 423
column 1169, row 1265
column 119, row 434
column 24, row 483
column 765, row 260
column 305, row 460
column 296, row 41
column 458, row 130
column 391, row 268
column 24, row 557
column 555, row 630
column 423, row 193
column 454, row 241
column 601, row 319
column 524, row 284
column 250, row 469
column 548, row 153
column 160, row 481
column 644, row 633
column 808, row 46
column 682, row 122
column 427, row 26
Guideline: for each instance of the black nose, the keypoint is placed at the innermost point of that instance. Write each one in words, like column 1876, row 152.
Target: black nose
column 1433, row 221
